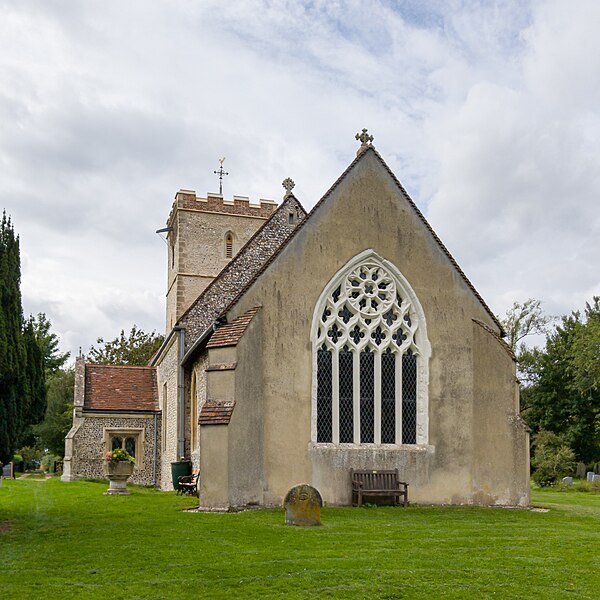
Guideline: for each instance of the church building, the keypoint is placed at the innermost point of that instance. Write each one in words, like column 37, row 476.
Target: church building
column 300, row 346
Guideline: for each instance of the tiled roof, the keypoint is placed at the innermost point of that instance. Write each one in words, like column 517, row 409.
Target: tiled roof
column 230, row 334
column 216, row 413
column 316, row 207
column 239, row 271
column 112, row 387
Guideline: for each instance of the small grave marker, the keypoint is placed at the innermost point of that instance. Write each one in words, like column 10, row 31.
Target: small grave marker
column 567, row 480
column 303, row 506
column 590, row 476
column 580, row 473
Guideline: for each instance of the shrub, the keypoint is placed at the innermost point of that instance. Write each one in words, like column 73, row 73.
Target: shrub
column 552, row 459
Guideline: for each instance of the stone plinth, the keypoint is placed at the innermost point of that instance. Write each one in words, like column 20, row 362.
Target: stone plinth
column 118, row 474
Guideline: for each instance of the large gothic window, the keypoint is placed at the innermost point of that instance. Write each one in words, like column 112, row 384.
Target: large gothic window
column 370, row 354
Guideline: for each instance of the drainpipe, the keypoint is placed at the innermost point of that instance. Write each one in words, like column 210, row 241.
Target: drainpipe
column 180, row 391
column 154, row 457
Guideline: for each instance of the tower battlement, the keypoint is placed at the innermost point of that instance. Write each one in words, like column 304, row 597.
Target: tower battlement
column 215, row 203
column 204, row 235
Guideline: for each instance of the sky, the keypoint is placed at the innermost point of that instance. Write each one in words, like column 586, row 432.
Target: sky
column 488, row 113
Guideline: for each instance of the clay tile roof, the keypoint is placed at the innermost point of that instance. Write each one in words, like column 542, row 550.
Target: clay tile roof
column 230, row 334
column 112, row 387
column 216, row 413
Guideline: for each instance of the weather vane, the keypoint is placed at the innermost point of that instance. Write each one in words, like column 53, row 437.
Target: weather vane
column 221, row 172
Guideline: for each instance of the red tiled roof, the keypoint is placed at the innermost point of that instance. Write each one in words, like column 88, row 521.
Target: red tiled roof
column 119, row 387
column 216, row 413
column 230, row 334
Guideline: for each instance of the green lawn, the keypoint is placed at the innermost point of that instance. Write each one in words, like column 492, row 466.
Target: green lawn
column 67, row 540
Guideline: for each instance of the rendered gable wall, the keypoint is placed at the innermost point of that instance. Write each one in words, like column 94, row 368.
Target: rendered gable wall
column 367, row 210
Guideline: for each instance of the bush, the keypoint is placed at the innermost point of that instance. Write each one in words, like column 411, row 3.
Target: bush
column 553, row 459
column 49, row 462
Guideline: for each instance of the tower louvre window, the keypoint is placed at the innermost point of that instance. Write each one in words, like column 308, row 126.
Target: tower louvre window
column 370, row 330
column 228, row 245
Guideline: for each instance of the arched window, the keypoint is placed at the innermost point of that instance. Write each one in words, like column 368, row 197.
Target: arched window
column 370, row 358
column 229, row 245
column 194, row 412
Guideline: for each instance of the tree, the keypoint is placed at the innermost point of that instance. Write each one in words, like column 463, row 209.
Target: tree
column 561, row 397
column 33, row 400
column 586, row 351
column 52, row 430
column 48, row 342
column 12, row 353
column 135, row 349
column 552, row 458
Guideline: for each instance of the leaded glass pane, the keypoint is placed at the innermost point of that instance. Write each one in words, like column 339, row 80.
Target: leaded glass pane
column 388, row 398
column 116, row 442
column 323, row 396
column 367, row 398
column 409, row 399
column 130, row 445
column 345, row 387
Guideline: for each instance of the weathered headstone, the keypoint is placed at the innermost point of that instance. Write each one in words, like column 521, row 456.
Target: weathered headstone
column 590, row 476
column 597, row 468
column 303, row 506
column 567, row 480
column 580, row 473
column 596, row 478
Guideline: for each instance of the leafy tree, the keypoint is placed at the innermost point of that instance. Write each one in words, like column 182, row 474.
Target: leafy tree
column 52, row 430
column 48, row 342
column 562, row 397
column 552, row 458
column 33, row 401
column 586, row 351
column 135, row 349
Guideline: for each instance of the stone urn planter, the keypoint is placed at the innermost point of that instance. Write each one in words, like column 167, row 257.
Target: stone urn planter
column 118, row 474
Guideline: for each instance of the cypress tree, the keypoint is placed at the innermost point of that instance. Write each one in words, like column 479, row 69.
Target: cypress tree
column 12, row 351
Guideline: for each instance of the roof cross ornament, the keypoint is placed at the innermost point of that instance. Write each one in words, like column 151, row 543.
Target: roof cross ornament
column 221, row 172
column 365, row 140
column 288, row 184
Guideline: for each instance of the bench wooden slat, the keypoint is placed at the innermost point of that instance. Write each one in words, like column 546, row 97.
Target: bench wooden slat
column 378, row 483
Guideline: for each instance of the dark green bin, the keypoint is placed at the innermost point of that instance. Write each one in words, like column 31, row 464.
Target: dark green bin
column 179, row 468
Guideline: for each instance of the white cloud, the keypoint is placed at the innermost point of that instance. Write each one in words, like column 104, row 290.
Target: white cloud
column 486, row 111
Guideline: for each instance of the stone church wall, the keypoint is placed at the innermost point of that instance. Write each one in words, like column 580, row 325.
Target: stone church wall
column 367, row 210
column 90, row 446
column 168, row 397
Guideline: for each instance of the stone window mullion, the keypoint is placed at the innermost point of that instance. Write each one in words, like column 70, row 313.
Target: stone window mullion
column 335, row 397
column 377, row 395
column 356, row 395
column 398, row 406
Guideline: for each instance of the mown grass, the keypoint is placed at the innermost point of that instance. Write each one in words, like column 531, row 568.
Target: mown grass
column 67, row 540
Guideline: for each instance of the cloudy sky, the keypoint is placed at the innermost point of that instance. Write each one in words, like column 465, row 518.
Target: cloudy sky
column 488, row 112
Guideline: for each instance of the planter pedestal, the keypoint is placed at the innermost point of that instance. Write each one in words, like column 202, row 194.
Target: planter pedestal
column 118, row 474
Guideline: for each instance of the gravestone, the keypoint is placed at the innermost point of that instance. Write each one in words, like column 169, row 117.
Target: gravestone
column 580, row 473
column 590, row 476
column 597, row 468
column 567, row 480
column 596, row 478
column 303, row 506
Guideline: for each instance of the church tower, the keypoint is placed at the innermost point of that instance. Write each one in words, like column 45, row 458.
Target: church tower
column 203, row 235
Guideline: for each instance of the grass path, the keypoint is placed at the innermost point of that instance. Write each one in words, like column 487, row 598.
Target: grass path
column 70, row 541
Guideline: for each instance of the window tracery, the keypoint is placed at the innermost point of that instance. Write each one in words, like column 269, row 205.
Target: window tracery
column 370, row 360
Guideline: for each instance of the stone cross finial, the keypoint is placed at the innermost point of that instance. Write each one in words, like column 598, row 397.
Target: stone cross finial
column 288, row 184
column 365, row 140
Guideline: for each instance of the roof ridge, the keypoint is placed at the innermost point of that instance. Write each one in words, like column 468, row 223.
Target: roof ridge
column 231, row 264
column 328, row 193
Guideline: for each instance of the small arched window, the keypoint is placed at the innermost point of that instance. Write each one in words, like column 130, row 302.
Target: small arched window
column 229, row 245
column 370, row 358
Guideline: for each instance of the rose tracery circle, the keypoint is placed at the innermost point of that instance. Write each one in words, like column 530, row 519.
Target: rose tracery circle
column 370, row 289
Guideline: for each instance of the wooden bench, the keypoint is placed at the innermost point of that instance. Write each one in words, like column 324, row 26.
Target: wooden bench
column 376, row 484
column 188, row 484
